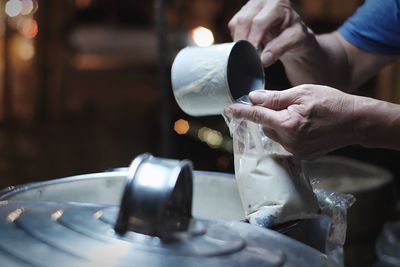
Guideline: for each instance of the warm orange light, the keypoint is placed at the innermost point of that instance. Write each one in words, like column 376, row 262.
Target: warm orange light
column 30, row 28
column 202, row 36
column 25, row 49
column 83, row 3
column 181, row 126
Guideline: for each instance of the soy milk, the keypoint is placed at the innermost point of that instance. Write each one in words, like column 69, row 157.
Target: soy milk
column 272, row 186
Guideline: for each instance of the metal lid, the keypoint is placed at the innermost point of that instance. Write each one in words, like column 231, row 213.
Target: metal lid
column 43, row 233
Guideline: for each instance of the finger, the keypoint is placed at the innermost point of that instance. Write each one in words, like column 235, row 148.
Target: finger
column 264, row 22
column 275, row 100
column 257, row 114
column 241, row 22
column 289, row 39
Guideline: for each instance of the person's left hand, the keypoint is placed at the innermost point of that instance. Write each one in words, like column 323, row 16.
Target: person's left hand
column 307, row 120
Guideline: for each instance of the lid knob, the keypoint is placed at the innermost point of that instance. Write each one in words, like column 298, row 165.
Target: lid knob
column 157, row 199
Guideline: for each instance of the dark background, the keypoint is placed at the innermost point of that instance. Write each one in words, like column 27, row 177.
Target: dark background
column 88, row 89
column 95, row 93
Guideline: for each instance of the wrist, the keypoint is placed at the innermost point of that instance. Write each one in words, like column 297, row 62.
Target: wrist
column 308, row 63
column 321, row 59
column 376, row 123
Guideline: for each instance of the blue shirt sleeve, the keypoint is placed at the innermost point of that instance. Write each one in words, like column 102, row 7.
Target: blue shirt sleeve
column 375, row 27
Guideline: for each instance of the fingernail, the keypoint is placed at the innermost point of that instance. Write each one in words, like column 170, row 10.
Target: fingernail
column 256, row 97
column 257, row 93
column 232, row 109
column 267, row 58
column 252, row 94
column 228, row 112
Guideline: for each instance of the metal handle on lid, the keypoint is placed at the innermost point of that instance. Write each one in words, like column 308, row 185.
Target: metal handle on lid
column 157, row 198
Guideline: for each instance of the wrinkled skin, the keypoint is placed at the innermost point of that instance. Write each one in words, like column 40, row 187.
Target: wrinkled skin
column 310, row 120
column 271, row 26
column 297, row 118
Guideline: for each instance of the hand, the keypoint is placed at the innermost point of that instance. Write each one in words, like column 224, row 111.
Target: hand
column 307, row 120
column 273, row 26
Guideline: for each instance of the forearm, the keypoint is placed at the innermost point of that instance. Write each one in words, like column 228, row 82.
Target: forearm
column 377, row 123
column 323, row 60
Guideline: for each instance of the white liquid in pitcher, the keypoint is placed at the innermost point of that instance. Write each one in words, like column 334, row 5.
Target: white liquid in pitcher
column 207, row 84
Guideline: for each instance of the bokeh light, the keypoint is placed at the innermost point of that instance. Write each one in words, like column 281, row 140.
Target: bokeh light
column 13, row 8
column 29, row 28
column 82, row 4
column 25, row 49
column 202, row 36
column 213, row 138
column 27, row 7
column 181, row 126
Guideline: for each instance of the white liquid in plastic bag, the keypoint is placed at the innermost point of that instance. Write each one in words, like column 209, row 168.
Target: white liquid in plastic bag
column 272, row 184
column 272, row 187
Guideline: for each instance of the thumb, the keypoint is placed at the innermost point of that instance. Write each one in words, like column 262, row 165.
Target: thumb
column 275, row 100
column 256, row 114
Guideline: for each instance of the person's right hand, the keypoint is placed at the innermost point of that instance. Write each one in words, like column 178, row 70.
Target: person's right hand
column 273, row 27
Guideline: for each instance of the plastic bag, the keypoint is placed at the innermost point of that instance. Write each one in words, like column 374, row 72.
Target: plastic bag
column 271, row 182
column 388, row 245
column 335, row 205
